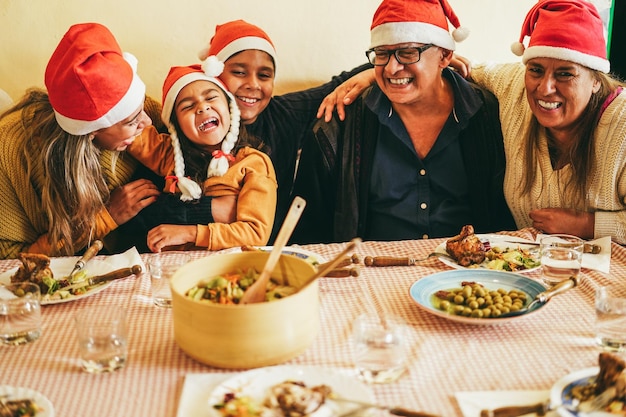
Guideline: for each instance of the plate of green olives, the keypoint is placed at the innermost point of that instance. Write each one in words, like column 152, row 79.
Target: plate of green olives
column 478, row 296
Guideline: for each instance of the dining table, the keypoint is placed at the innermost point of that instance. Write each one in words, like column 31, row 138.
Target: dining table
column 445, row 357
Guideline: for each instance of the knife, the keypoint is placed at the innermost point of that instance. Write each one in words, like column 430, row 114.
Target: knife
column 588, row 247
column 397, row 411
column 101, row 279
column 89, row 253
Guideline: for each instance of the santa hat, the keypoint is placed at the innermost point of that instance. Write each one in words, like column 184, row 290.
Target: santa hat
column 91, row 84
column 236, row 36
column 423, row 21
column 570, row 30
column 176, row 80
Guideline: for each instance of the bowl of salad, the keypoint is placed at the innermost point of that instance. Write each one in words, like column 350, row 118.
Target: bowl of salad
column 211, row 326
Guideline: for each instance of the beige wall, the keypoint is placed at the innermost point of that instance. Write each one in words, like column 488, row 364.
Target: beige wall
column 315, row 39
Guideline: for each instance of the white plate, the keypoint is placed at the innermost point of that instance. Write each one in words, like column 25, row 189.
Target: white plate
column 561, row 390
column 311, row 257
column 256, row 383
column 21, row 393
column 62, row 267
column 500, row 241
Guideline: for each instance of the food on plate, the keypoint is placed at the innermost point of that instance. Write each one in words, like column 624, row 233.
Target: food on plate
column 466, row 248
column 476, row 301
column 18, row 408
column 295, row 399
column 229, row 288
column 612, row 374
column 286, row 399
column 510, row 259
column 35, row 268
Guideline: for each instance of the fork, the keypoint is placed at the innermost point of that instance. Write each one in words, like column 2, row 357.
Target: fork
column 598, row 402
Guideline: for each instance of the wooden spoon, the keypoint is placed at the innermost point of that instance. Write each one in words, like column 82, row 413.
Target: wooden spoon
column 328, row 266
column 256, row 292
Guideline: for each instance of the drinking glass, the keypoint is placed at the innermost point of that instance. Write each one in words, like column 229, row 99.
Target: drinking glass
column 379, row 348
column 561, row 258
column 162, row 267
column 102, row 338
column 20, row 313
column 610, row 326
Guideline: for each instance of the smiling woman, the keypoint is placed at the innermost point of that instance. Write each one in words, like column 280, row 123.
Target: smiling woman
column 562, row 124
column 59, row 148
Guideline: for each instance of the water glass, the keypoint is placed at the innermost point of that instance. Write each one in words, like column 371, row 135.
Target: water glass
column 561, row 258
column 610, row 327
column 20, row 313
column 379, row 348
column 102, row 338
column 161, row 267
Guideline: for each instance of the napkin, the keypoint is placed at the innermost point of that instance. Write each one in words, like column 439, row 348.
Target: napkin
column 599, row 262
column 472, row 402
column 194, row 400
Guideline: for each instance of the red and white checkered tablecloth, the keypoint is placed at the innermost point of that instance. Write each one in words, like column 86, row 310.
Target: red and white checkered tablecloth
column 445, row 357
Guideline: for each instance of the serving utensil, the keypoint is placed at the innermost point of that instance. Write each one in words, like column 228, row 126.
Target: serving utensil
column 101, row 279
column 398, row 411
column 256, row 292
column 544, row 296
column 89, row 253
column 595, row 404
column 330, row 265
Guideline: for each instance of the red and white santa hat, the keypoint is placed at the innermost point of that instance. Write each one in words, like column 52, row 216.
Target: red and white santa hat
column 236, row 36
column 423, row 21
column 176, row 80
column 570, row 30
column 91, row 84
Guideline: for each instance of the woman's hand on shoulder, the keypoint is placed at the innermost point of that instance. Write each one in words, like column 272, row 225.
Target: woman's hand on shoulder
column 461, row 65
column 345, row 94
column 560, row 220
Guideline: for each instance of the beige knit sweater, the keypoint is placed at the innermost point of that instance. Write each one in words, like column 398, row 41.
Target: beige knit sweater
column 607, row 187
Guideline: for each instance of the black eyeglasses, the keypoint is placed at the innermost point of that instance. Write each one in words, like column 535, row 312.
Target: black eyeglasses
column 404, row 56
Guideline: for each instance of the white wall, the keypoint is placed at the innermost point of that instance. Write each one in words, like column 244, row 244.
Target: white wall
column 315, row 39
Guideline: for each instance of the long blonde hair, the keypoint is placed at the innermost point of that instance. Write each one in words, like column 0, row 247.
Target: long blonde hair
column 74, row 190
column 581, row 155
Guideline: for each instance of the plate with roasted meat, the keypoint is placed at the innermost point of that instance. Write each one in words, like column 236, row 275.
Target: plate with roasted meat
column 21, row 401
column 489, row 251
column 476, row 296
column 287, row 391
column 53, row 274
column 582, row 386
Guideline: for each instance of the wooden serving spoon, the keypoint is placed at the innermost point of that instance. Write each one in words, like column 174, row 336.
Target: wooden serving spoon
column 256, row 292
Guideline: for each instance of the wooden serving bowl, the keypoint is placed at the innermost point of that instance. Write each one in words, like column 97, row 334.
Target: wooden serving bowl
column 251, row 335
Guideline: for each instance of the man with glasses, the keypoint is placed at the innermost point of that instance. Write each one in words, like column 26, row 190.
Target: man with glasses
column 419, row 154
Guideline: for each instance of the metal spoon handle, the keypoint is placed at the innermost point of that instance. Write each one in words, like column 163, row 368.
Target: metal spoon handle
column 559, row 288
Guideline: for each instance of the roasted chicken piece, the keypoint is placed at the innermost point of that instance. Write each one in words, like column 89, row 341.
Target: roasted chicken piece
column 295, row 399
column 466, row 248
column 35, row 267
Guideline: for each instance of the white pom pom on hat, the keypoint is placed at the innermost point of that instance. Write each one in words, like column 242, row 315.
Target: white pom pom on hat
column 569, row 30
column 175, row 81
